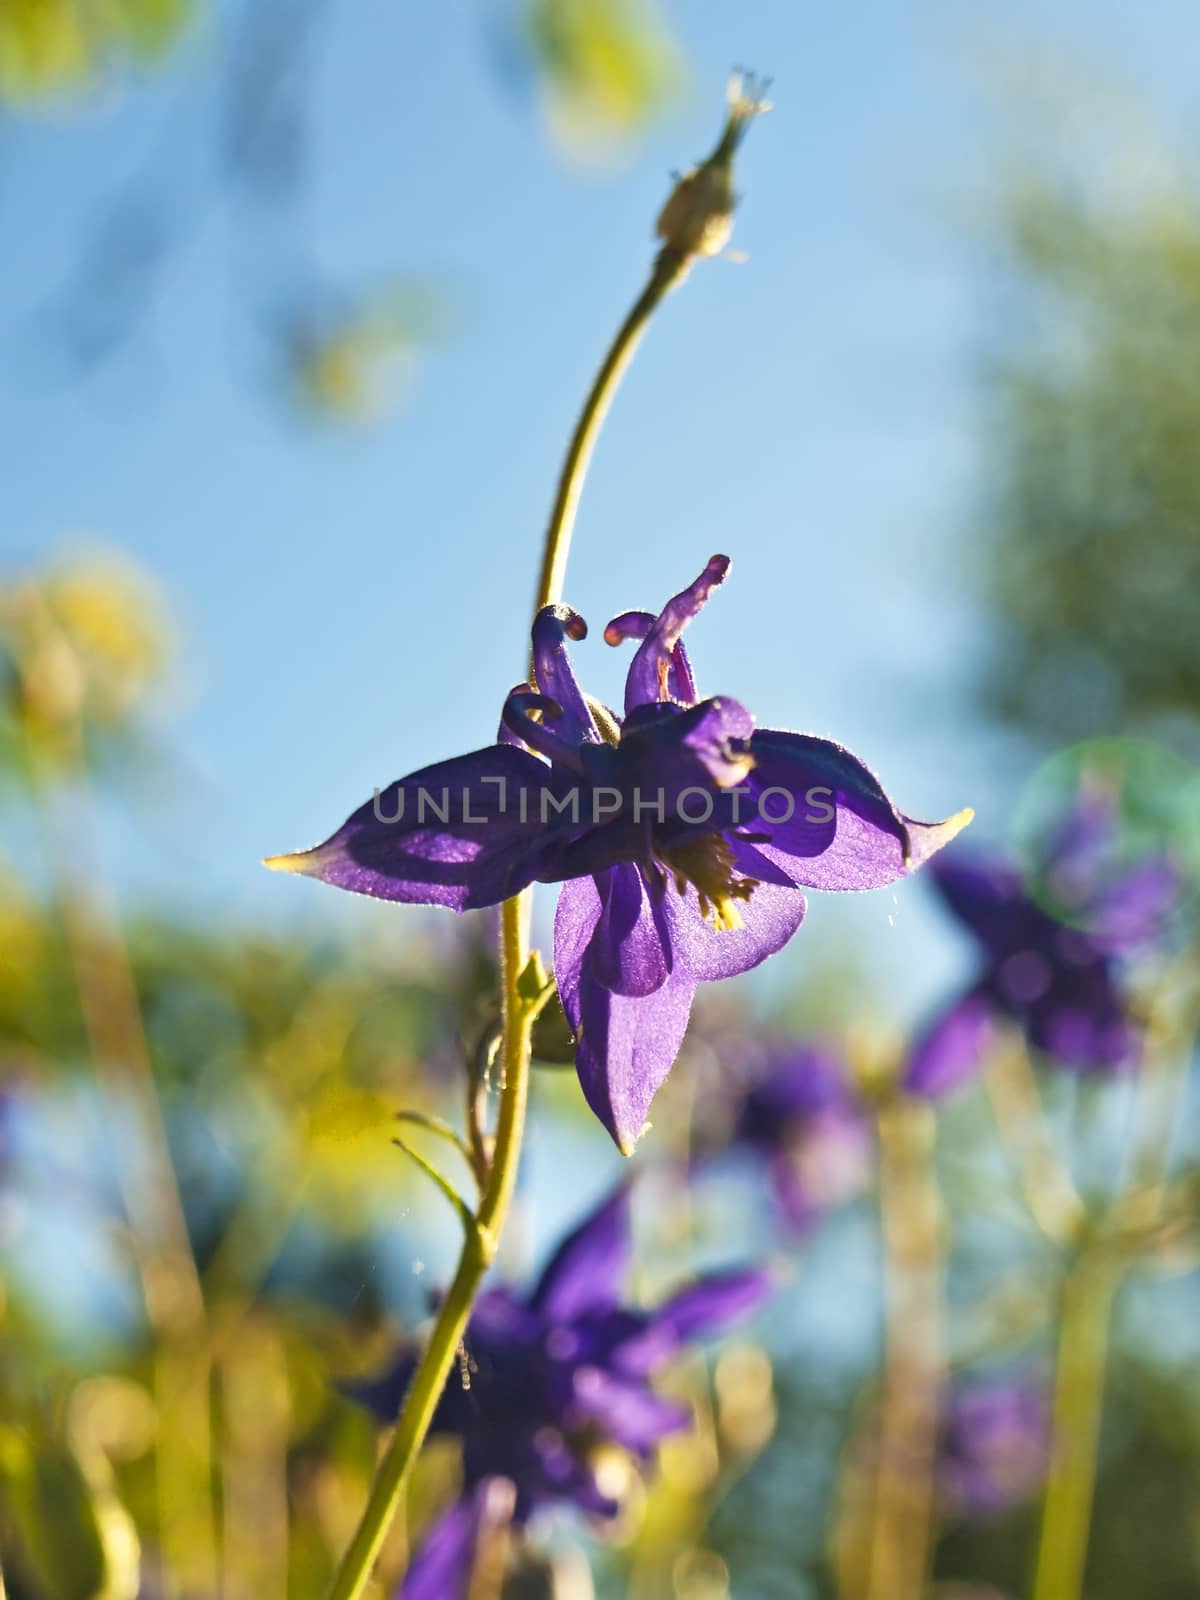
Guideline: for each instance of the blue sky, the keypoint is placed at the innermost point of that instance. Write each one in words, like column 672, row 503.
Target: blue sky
column 354, row 605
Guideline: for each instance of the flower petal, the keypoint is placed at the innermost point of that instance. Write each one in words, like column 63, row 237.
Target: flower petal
column 681, row 685
column 462, row 833
column 555, row 676
column 950, row 1050
column 987, row 897
column 628, row 952
column 706, row 1307
column 665, row 750
column 839, row 830
column 626, row 1043
column 627, row 1411
column 714, row 1303
column 587, row 1270
column 769, row 919
column 651, row 668
column 444, row 1564
column 1080, row 1021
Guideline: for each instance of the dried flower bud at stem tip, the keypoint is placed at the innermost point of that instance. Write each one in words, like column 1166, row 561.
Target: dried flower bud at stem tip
column 697, row 219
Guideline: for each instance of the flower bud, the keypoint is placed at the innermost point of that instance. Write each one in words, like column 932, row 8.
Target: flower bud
column 697, row 219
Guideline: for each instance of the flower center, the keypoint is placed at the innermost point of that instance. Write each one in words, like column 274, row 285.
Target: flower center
column 707, row 864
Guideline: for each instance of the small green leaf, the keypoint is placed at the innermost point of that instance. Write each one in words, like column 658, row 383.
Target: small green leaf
column 533, row 982
column 466, row 1215
column 437, row 1125
column 553, row 1041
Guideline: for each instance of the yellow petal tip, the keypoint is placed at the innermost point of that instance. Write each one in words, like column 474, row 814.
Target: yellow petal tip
column 293, row 862
column 628, row 1146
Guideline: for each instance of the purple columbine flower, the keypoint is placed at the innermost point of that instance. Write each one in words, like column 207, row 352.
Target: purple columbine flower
column 995, row 1446
column 682, row 835
column 1056, row 979
column 800, row 1116
column 556, row 1376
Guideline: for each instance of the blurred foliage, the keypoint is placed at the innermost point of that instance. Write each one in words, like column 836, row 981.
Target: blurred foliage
column 48, row 47
column 349, row 365
column 608, row 65
column 1092, row 563
column 82, row 647
column 600, row 69
column 76, row 1538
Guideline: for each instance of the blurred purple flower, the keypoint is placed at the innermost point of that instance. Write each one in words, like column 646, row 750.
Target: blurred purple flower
column 560, row 1373
column 444, row 1566
column 1123, row 904
column 800, row 1116
column 683, row 795
column 1056, row 979
column 995, row 1446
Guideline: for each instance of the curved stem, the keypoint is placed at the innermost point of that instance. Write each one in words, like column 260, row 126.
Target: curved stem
column 670, row 268
column 1087, row 1294
column 519, row 1010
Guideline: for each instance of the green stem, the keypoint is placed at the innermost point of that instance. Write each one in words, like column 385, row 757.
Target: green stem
column 479, row 1249
column 1087, row 1294
column 912, row 1236
column 518, row 1014
column 670, row 268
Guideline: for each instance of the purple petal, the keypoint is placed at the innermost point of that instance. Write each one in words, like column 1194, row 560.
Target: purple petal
column 793, row 1084
column 651, row 668
column 538, row 722
column 672, row 750
column 555, row 676
column 950, row 1050
column 769, row 919
column 567, row 1478
column 626, row 1044
column 627, row 1412
column 1120, row 902
column 575, row 920
column 823, row 1164
column 1080, row 1021
column 681, row 685
column 706, row 1307
column 987, row 897
column 791, row 1193
column 838, row 829
column 587, row 1270
column 996, row 1444
column 1135, row 907
column 714, row 1303
column 628, row 952
column 466, row 833
column 443, row 1566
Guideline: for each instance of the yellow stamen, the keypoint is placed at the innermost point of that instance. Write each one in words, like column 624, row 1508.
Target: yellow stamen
column 707, row 864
